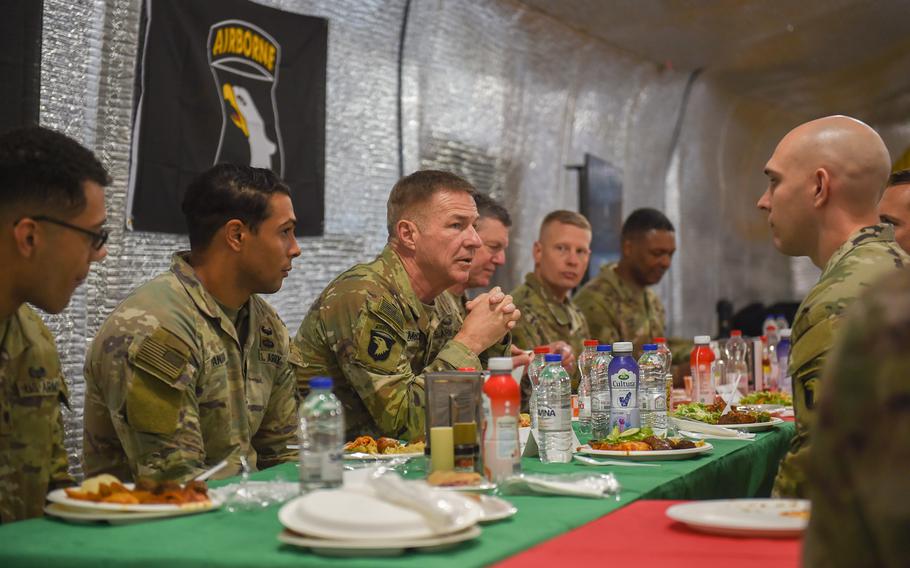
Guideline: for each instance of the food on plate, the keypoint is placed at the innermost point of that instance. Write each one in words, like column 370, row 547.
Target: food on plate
column 108, row 489
column 767, row 397
column 454, row 478
column 640, row 440
column 524, row 420
column 384, row 446
column 795, row 514
column 711, row 413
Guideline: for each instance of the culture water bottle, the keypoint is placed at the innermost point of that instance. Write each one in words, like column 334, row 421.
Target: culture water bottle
column 501, row 404
column 623, row 372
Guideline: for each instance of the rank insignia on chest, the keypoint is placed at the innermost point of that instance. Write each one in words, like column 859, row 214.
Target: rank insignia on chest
column 380, row 345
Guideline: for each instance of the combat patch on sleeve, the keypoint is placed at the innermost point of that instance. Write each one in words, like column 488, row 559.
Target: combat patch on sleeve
column 378, row 346
column 162, row 373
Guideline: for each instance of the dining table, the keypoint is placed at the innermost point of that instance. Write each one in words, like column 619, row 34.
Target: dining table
column 248, row 537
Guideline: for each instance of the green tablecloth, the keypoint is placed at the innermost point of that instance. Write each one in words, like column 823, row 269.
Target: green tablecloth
column 248, row 538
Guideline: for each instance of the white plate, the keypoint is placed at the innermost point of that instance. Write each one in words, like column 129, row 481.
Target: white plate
column 362, row 456
column 480, row 487
column 744, row 517
column 375, row 548
column 754, row 426
column 654, row 455
column 81, row 515
column 494, row 508
column 348, row 515
column 60, row 496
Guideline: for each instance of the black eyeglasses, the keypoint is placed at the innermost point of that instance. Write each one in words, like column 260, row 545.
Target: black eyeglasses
column 98, row 239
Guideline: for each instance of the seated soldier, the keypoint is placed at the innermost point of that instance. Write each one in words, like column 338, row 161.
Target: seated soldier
column 376, row 330
column 51, row 215
column 561, row 256
column 192, row 367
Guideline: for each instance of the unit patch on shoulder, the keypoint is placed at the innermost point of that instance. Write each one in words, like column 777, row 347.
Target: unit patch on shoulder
column 380, row 346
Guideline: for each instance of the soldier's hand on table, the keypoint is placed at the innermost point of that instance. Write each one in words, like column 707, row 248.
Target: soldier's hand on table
column 487, row 321
column 520, row 357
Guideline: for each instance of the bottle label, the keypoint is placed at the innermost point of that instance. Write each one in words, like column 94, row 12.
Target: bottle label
column 507, row 438
column 623, row 389
column 554, row 418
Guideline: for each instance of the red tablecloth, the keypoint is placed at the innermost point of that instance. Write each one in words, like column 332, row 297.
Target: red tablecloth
column 641, row 535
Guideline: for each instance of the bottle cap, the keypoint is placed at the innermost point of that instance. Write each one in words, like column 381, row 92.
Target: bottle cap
column 541, row 349
column 785, row 332
column 764, row 339
column 649, row 347
column 660, row 340
column 590, row 342
column 772, row 328
column 702, row 339
column 606, row 348
column 500, row 364
column 321, row 383
column 552, row 358
column 622, row 347
column 736, row 333
column 467, row 370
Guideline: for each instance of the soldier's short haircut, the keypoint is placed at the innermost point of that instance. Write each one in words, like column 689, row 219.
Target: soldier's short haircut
column 487, row 207
column 43, row 170
column 643, row 220
column 567, row 218
column 225, row 192
column 899, row 177
column 418, row 188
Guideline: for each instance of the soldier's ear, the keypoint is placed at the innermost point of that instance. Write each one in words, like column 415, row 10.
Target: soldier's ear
column 26, row 236
column 822, row 190
column 406, row 232
column 235, row 234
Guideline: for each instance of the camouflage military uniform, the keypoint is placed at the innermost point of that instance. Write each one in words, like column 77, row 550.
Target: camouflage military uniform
column 544, row 320
column 866, row 256
column 32, row 456
column 370, row 332
column 617, row 310
column 171, row 392
column 861, row 449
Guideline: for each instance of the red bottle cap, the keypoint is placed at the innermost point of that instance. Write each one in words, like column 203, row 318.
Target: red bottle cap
column 467, row 370
column 735, row 333
column 660, row 340
column 591, row 343
column 541, row 349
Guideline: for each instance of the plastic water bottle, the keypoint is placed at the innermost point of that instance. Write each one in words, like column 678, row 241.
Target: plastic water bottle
column 735, row 352
column 600, row 392
column 770, row 320
column 585, row 365
column 534, row 367
column 702, row 363
column 652, row 394
column 321, row 437
column 623, row 372
column 554, row 412
column 502, row 398
column 783, row 361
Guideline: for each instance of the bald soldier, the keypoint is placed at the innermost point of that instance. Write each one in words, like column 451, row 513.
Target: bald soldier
column 376, row 330
column 192, row 367
column 561, row 255
column 51, row 231
column 894, row 208
column 824, row 181
column 861, row 448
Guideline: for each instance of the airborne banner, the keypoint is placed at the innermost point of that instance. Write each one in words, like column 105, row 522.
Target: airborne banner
column 227, row 81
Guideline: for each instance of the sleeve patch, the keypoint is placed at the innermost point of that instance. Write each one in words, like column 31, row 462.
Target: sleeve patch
column 163, row 355
column 152, row 406
column 379, row 347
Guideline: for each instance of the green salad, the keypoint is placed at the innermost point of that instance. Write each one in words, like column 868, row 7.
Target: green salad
column 630, row 435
